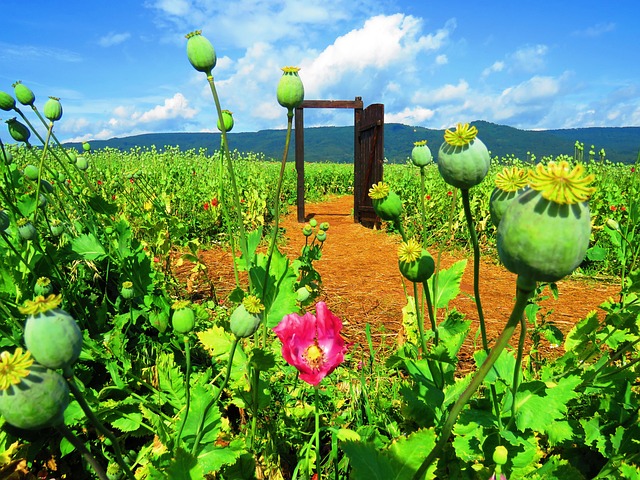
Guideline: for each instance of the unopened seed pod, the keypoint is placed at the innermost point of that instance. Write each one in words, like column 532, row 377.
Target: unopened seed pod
column 200, row 52
column 290, row 92
column 18, row 131
column 227, row 118
column 53, row 109
column 7, row 102
column 23, row 93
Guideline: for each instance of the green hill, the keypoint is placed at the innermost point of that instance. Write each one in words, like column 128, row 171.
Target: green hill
column 335, row 144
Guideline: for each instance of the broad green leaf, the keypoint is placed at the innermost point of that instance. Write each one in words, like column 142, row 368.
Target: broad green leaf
column 26, row 205
column 580, row 337
column 129, row 422
column 170, row 379
column 449, row 281
column 400, row 461
column 213, row 457
column 202, row 418
column 88, row 247
column 184, row 467
column 100, row 205
column 158, row 424
column 410, row 321
column 502, row 370
column 263, row 360
column 538, row 405
column 218, row 343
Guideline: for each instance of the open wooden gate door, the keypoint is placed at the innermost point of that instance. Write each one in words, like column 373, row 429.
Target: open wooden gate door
column 368, row 154
column 368, row 162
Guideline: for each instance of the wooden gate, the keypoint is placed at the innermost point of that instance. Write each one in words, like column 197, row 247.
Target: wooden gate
column 368, row 162
column 368, row 154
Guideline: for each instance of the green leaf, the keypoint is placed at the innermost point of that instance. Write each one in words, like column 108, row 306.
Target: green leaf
column 100, row 205
column 262, row 360
column 398, row 462
column 184, row 467
column 218, row 343
column 449, row 281
column 128, row 422
column 538, row 405
column 170, row 379
column 503, row 368
column 88, row 247
column 202, row 418
column 26, row 205
column 213, row 458
column 582, row 336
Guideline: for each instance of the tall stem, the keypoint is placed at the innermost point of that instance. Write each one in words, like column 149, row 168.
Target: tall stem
column 423, row 208
column 187, row 389
column 318, row 456
column 232, row 177
column 522, row 297
column 214, row 400
column 75, row 441
column 70, row 378
column 476, row 265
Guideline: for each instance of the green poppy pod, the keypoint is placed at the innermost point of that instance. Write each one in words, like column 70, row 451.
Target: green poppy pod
column 26, row 230
column 544, row 232
column 200, row 52
column 7, row 156
column 386, row 204
column 463, row 160
column 421, row 154
column 127, row 291
column 227, row 119
column 4, row 220
column 86, row 147
column 415, row 263
column 184, row 318
column 290, row 92
column 53, row 337
column 509, row 183
column 56, row 227
column 243, row 323
column 31, row 172
column 7, row 102
column 53, row 109
column 18, row 131
column 23, row 93
column 38, row 401
column 82, row 163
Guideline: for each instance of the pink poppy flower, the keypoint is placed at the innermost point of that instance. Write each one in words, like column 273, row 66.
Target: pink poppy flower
column 312, row 343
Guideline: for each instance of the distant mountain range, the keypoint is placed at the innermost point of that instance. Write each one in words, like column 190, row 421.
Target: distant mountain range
column 335, row 144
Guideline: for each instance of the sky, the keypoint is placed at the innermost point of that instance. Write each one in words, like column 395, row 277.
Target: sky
column 120, row 67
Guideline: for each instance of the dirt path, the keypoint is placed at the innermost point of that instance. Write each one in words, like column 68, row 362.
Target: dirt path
column 361, row 282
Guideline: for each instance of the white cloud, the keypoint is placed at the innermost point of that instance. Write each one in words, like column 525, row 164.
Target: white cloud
column 533, row 90
column 444, row 94
column 496, row 67
column 442, row 60
column 382, row 42
column 113, row 38
column 410, row 116
column 174, row 107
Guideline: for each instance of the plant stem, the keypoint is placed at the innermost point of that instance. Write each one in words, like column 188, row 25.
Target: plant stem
column 423, row 214
column 276, row 220
column 70, row 378
column 232, row 177
column 522, row 297
column 75, row 441
column 200, row 429
column 517, row 372
column 187, row 389
column 318, row 456
column 476, row 265
column 432, row 318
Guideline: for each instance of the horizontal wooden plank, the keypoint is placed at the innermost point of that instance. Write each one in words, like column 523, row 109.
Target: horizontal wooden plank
column 332, row 104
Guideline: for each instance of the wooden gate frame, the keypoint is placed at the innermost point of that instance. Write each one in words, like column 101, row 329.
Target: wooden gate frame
column 362, row 213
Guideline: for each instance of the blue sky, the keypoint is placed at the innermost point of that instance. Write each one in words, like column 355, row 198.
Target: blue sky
column 120, row 67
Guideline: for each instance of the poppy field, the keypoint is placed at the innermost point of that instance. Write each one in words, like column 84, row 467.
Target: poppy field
column 112, row 368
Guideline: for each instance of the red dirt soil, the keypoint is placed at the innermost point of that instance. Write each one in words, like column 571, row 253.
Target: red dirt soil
column 361, row 282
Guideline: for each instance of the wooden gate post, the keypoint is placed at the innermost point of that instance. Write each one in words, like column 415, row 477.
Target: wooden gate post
column 299, row 138
column 368, row 146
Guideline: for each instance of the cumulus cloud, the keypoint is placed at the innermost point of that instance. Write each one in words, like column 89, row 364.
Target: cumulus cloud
column 174, row 107
column 384, row 41
column 410, row 116
column 496, row 67
column 113, row 38
column 444, row 94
